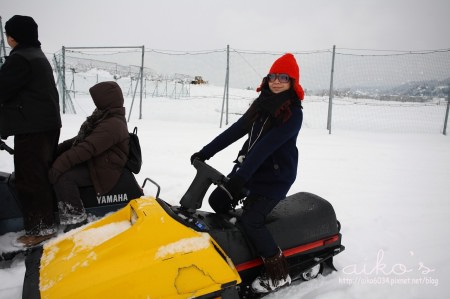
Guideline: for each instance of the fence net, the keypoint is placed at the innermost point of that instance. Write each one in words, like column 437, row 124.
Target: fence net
column 372, row 90
column 403, row 92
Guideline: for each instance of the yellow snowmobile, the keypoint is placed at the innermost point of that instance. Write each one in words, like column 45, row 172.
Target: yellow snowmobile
column 150, row 249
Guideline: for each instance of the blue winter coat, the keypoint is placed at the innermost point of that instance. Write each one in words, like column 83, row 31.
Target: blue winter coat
column 270, row 167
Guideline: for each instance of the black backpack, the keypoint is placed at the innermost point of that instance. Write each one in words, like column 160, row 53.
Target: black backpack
column 134, row 162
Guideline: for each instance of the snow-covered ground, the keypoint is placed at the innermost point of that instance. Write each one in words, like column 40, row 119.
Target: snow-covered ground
column 390, row 191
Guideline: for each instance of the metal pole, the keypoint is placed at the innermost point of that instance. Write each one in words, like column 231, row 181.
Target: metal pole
column 63, row 77
column 330, row 99
column 142, row 79
column 226, row 89
column 228, row 82
column 58, row 71
column 73, row 82
column 134, row 95
column 446, row 114
column 3, row 48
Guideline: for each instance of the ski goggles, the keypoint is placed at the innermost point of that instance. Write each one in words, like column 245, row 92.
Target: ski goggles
column 282, row 78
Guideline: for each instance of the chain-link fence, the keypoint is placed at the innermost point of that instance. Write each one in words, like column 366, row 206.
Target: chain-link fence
column 371, row 90
column 404, row 92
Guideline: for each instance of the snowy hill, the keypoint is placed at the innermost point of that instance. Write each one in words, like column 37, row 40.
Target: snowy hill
column 422, row 91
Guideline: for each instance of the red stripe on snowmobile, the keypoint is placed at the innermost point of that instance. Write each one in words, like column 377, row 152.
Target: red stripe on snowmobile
column 289, row 252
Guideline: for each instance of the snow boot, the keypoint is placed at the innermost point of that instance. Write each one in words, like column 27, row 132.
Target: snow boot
column 276, row 275
column 32, row 240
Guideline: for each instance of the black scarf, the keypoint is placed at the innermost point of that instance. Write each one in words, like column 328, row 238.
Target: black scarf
column 276, row 106
column 89, row 125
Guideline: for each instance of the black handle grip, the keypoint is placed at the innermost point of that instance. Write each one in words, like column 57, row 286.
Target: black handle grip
column 5, row 147
column 205, row 176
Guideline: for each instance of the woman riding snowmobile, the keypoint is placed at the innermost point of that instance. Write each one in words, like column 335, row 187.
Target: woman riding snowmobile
column 266, row 165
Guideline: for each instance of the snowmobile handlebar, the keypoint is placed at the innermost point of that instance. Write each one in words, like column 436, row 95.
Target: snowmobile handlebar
column 205, row 176
column 5, row 147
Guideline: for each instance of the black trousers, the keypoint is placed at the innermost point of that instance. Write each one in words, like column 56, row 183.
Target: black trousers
column 70, row 204
column 255, row 211
column 34, row 154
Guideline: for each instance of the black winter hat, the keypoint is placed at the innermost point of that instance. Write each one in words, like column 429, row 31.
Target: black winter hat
column 23, row 29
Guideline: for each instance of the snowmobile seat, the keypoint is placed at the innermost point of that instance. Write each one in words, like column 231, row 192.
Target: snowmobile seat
column 299, row 219
column 11, row 219
column 10, row 208
column 302, row 218
column 125, row 190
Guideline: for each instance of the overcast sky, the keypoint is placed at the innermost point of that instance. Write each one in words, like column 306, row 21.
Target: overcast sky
column 262, row 25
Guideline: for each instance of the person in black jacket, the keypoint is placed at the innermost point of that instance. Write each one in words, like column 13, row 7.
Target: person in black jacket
column 29, row 110
column 266, row 166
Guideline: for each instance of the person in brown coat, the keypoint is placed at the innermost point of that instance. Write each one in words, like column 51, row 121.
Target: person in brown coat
column 96, row 156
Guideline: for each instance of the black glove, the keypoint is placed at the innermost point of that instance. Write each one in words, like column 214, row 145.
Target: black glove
column 235, row 188
column 198, row 155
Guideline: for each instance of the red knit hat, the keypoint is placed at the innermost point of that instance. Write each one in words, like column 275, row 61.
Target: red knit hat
column 287, row 64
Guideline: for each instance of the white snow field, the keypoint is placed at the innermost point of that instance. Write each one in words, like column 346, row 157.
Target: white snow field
column 390, row 191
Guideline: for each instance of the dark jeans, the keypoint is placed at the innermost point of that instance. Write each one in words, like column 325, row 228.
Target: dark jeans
column 34, row 154
column 255, row 210
column 70, row 205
